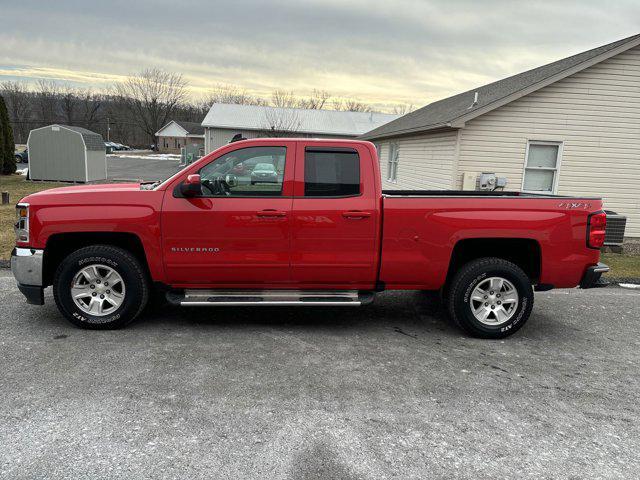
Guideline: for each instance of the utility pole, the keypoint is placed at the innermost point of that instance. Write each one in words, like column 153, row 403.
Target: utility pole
column 108, row 129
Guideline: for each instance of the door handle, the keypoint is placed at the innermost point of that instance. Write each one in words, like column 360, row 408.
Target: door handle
column 270, row 212
column 356, row 215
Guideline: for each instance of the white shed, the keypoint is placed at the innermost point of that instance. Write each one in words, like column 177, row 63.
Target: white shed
column 66, row 153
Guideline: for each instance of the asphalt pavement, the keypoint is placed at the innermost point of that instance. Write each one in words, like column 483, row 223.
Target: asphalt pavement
column 385, row 391
column 131, row 169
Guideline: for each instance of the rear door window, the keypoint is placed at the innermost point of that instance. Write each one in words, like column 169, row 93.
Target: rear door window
column 331, row 173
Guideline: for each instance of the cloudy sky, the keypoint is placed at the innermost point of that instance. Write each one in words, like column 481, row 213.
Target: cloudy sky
column 382, row 52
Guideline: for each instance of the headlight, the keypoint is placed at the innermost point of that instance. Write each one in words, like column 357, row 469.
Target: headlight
column 22, row 222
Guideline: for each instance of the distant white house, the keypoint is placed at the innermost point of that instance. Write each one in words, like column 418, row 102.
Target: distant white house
column 177, row 134
column 571, row 127
column 224, row 121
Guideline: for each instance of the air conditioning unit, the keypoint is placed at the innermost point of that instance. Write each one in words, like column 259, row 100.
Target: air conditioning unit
column 489, row 181
column 614, row 233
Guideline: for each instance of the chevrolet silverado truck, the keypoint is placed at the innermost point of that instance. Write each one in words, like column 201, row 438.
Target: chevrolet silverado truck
column 319, row 231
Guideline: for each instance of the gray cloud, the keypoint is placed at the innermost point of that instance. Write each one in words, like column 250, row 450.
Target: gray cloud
column 382, row 51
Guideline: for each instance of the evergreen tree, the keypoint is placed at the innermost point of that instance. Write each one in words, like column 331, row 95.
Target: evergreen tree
column 7, row 148
column 1, row 142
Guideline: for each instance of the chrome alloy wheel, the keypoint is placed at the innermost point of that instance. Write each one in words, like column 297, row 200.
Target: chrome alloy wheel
column 98, row 290
column 494, row 301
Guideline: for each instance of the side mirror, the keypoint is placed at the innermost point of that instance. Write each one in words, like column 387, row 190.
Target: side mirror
column 192, row 186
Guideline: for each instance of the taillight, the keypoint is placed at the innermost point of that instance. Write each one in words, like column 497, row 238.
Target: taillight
column 596, row 226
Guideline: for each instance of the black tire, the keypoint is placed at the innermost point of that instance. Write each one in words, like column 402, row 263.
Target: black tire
column 18, row 159
column 465, row 281
column 120, row 260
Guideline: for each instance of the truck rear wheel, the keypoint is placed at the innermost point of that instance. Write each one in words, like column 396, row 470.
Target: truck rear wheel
column 100, row 287
column 490, row 298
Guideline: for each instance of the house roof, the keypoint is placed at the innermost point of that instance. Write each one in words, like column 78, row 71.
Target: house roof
column 190, row 128
column 452, row 112
column 321, row 122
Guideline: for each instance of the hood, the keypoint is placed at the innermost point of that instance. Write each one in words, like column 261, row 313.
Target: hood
column 77, row 192
column 103, row 187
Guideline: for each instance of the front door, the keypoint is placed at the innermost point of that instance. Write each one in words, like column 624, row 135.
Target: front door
column 236, row 233
column 334, row 241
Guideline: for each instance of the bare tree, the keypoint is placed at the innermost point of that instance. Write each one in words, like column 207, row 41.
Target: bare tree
column 279, row 122
column 228, row 94
column 69, row 104
column 351, row 105
column 152, row 97
column 46, row 101
column 89, row 108
column 402, row 109
column 283, row 99
column 316, row 101
column 19, row 101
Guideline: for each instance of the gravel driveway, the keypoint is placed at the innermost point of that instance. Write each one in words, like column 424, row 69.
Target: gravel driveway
column 387, row 391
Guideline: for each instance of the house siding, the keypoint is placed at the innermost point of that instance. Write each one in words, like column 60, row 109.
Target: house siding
column 595, row 113
column 424, row 161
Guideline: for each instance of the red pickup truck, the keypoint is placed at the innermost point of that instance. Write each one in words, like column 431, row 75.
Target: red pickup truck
column 311, row 226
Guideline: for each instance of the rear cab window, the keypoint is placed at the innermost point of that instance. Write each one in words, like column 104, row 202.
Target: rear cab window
column 331, row 172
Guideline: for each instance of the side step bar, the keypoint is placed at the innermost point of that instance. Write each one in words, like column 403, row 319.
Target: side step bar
column 289, row 298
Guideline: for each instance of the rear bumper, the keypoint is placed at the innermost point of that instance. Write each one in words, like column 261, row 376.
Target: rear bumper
column 26, row 266
column 592, row 275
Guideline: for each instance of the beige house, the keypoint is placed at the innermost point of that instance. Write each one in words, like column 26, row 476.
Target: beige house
column 571, row 128
column 178, row 134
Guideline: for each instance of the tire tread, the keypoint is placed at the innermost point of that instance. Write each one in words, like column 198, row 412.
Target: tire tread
column 99, row 249
column 458, row 285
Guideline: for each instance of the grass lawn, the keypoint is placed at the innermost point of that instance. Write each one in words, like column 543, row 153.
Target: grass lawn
column 622, row 266
column 17, row 187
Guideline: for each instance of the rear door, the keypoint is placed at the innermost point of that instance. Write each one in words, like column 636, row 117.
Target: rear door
column 334, row 241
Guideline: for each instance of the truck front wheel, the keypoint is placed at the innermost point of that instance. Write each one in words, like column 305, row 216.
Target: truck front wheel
column 490, row 298
column 100, row 287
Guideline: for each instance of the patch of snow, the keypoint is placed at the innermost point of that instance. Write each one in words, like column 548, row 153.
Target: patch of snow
column 153, row 156
column 629, row 285
column 22, row 171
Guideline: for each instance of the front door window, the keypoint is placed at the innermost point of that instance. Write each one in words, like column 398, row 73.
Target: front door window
column 248, row 172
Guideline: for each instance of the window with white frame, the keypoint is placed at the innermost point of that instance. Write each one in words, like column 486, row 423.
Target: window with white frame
column 541, row 166
column 392, row 164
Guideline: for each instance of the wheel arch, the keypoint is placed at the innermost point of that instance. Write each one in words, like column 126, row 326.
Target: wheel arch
column 62, row 244
column 524, row 252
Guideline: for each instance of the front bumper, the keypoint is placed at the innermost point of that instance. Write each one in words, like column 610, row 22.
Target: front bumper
column 26, row 266
column 592, row 276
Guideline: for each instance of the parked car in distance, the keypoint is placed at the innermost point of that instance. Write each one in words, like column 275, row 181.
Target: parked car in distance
column 323, row 233
column 264, row 173
column 22, row 157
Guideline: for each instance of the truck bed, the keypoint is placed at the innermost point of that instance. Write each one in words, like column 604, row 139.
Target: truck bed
column 422, row 228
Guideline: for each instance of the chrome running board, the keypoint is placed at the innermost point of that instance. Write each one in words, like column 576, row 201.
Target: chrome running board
column 288, row 298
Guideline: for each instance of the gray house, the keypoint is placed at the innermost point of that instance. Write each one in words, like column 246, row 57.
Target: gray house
column 224, row 121
column 571, row 127
column 66, row 153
